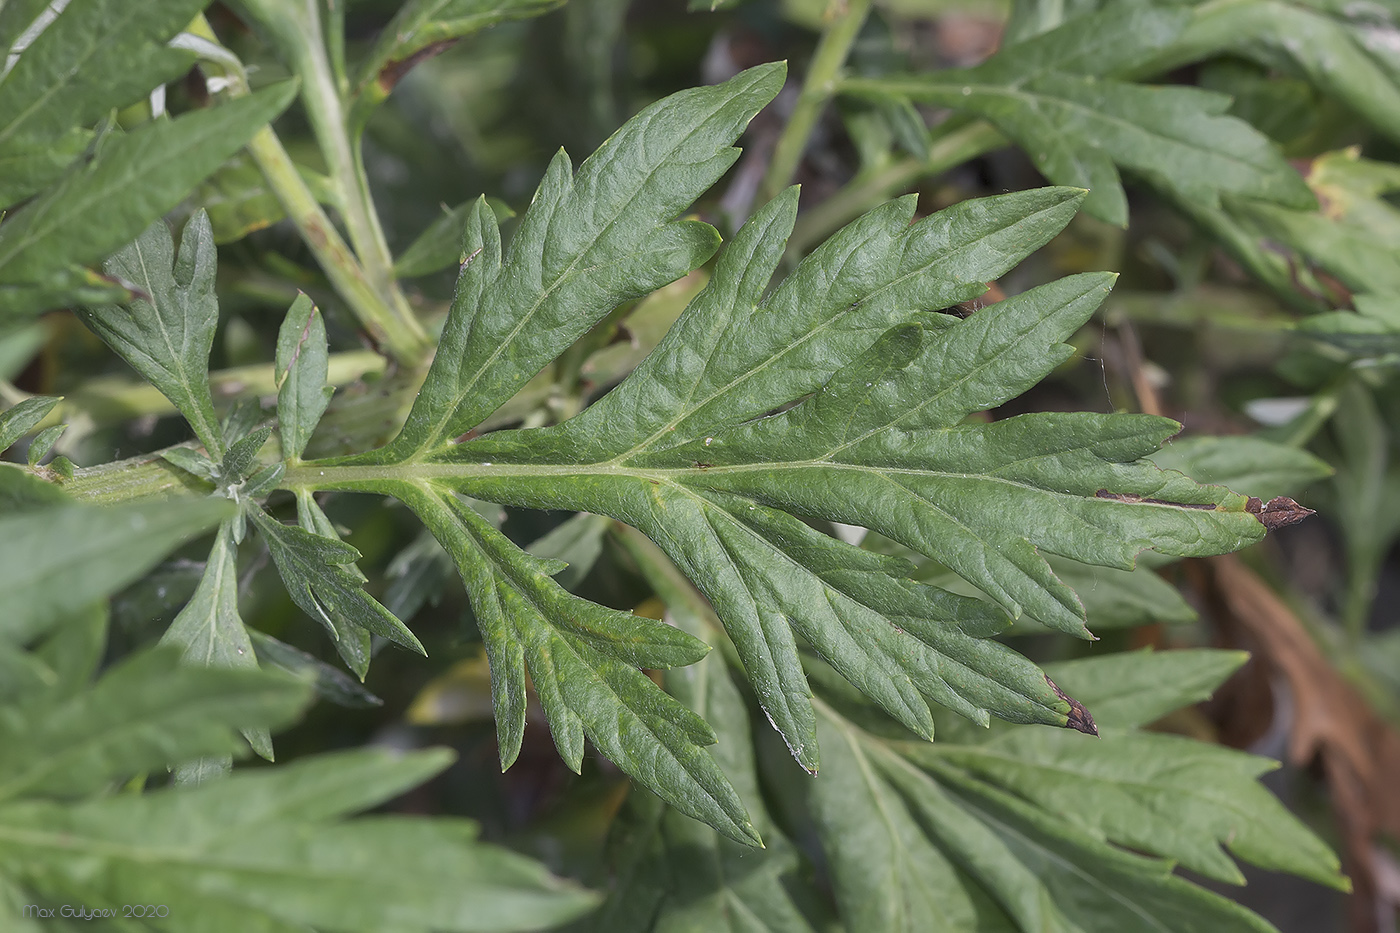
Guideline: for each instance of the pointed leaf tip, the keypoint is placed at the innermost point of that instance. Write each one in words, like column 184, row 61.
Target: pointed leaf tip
column 1277, row 512
column 1079, row 718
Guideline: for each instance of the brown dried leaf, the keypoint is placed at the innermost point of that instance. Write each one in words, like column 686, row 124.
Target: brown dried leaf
column 1359, row 752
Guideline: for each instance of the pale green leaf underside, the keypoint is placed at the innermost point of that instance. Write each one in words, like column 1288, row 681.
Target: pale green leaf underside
column 141, row 715
column 132, row 179
column 1157, row 793
column 209, row 628
column 167, row 336
column 56, row 561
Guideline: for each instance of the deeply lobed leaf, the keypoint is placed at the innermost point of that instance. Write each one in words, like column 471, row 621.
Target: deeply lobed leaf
column 166, row 336
column 680, row 451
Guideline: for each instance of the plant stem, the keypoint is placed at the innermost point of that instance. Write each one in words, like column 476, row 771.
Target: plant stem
column 402, row 337
column 321, row 96
column 363, row 277
column 109, row 400
column 817, row 89
column 863, row 192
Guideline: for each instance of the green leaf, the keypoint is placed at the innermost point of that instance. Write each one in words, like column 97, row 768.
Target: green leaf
column 20, row 418
column 43, row 442
column 887, row 872
column 1123, row 598
column 418, row 575
column 239, row 200
column 583, row 660
column 1373, row 330
column 267, row 850
column 671, row 872
column 588, row 243
column 21, row 491
column 921, row 843
column 422, row 29
column 1051, row 95
column 241, row 456
column 679, row 455
column 209, row 629
column 97, row 56
column 330, row 683
column 1335, row 56
column 68, row 287
column 131, row 181
column 1249, row 465
column 353, row 642
column 60, row 664
column 55, row 561
column 1165, row 794
column 440, row 245
column 192, row 462
column 302, row 393
column 1357, row 237
column 578, row 542
column 143, row 713
column 1134, row 689
column 167, row 336
column 313, row 568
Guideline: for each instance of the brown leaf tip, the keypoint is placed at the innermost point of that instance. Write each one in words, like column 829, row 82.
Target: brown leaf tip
column 1079, row 718
column 1277, row 512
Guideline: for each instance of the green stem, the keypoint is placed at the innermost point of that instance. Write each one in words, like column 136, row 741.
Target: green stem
column 363, row 277
column 864, row 192
column 326, row 113
column 400, row 336
column 817, row 90
column 110, row 400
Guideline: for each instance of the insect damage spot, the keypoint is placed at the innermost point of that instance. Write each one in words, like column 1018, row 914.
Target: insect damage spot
column 1079, row 718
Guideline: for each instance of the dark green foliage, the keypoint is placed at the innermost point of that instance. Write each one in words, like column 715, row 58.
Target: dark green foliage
column 842, row 496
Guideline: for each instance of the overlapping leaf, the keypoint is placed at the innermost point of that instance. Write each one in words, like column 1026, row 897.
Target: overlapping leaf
column 302, row 393
column 144, row 713
column 209, row 628
column 269, row 851
column 1057, row 96
column 589, row 242
column 97, row 207
column 320, row 574
column 583, row 660
column 1340, row 48
column 872, row 386
column 1356, row 236
column 672, row 873
column 90, row 59
column 55, row 561
column 937, row 836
